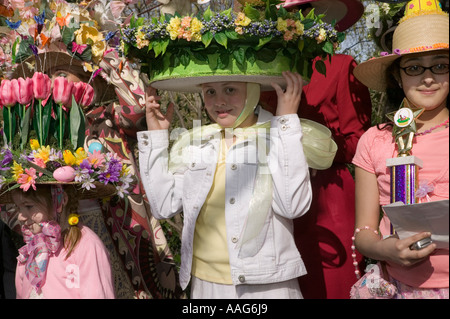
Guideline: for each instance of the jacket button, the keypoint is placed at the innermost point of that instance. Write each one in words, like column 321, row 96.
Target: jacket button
column 234, row 167
column 232, row 200
column 241, row 278
column 234, row 240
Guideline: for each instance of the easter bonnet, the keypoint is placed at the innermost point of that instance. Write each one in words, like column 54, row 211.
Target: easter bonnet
column 43, row 124
column 424, row 28
column 254, row 45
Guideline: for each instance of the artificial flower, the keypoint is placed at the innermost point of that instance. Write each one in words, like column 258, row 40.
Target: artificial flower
column 17, row 170
column 7, row 95
column 96, row 158
column 43, row 153
column 23, row 90
column 62, row 91
column 42, row 85
column 27, row 179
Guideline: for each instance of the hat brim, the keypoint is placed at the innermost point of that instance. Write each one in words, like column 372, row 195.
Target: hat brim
column 100, row 191
column 372, row 73
column 345, row 12
column 194, row 84
column 44, row 62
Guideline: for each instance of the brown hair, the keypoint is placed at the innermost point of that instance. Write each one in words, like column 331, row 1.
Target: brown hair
column 71, row 235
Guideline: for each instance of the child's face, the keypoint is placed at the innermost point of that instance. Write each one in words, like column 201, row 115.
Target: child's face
column 427, row 90
column 31, row 213
column 224, row 101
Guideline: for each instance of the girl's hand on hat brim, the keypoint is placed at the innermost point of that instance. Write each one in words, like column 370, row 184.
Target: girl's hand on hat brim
column 289, row 99
column 156, row 119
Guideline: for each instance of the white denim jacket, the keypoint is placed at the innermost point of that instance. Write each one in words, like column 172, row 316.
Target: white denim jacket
column 186, row 190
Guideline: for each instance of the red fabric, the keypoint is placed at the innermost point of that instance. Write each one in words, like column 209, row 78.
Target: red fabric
column 323, row 235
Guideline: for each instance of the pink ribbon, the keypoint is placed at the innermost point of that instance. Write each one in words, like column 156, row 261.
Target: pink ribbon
column 37, row 250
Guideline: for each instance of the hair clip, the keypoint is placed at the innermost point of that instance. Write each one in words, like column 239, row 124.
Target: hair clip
column 73, row 219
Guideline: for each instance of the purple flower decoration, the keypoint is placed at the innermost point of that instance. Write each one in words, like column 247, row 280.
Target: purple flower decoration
column 397, row 51
column 7, row 158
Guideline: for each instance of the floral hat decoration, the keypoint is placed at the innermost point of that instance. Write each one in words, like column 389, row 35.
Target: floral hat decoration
column 41, row 35
column 254, row 45
column 424, row 28
column 43, row 123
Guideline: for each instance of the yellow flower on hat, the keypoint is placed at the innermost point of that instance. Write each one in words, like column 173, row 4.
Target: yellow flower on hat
column 43, row 153
column 141, row 41
column 242, row 20
column 90, row 35
column 174, row 27
column 17, row 170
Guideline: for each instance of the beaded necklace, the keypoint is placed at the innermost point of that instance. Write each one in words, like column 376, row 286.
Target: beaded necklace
column 433, row 128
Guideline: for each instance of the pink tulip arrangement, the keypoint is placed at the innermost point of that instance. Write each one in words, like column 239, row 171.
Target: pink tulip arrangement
column 44, row 105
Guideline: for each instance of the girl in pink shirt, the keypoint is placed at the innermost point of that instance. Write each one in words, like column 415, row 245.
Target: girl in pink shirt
column 418, row 71
column 59, row 260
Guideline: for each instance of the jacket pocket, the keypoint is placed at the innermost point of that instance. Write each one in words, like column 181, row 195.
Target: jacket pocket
column 193, row 178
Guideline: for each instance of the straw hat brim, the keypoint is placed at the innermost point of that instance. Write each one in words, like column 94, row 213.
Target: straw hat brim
column 419, row 34
column 100, row 191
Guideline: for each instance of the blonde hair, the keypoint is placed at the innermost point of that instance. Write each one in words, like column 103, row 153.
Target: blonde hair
column 71, row 234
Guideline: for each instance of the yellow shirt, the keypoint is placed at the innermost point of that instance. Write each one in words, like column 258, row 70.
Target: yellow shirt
column 210, row 259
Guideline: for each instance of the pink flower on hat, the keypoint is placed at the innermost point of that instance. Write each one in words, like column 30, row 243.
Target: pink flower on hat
column 429, row 3
column 411, row 6
column 27, row 179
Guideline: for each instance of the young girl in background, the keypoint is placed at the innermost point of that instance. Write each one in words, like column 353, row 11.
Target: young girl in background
column 60, row 260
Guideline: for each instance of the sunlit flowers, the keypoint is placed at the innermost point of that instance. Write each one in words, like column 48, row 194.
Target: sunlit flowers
column 17, row 170
column 290, row 28
column 42, row 153
column 187, row 28
column 45, row 162
column 27, row 179
column 90, row 35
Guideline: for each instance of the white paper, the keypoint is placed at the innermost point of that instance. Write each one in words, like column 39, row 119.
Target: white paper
column 412, row 219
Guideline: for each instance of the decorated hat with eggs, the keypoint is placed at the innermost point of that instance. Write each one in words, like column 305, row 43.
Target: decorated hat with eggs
column 254, row 45
column 43, row 144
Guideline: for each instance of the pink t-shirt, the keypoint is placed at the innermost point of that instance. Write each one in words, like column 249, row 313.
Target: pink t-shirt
column 86, row 274
column 374, row 147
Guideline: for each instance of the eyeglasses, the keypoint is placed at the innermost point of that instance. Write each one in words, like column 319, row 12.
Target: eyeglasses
column 416, row 70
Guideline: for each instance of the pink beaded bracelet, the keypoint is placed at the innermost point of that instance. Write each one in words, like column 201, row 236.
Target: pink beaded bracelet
column 355, row 263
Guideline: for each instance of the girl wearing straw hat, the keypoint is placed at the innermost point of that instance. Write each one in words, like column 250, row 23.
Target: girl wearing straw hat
column 417, row 71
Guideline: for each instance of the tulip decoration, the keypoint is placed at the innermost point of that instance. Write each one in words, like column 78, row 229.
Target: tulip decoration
column 51, row 109
column 8, row 100
column 23, row 90
column 62, row 95
column 42, row 88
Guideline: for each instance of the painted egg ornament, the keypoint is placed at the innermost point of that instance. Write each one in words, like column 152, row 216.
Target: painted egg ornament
column 95, row 146
column 64, row 174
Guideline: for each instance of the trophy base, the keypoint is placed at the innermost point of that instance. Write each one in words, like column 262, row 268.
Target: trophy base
column 404, row 178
